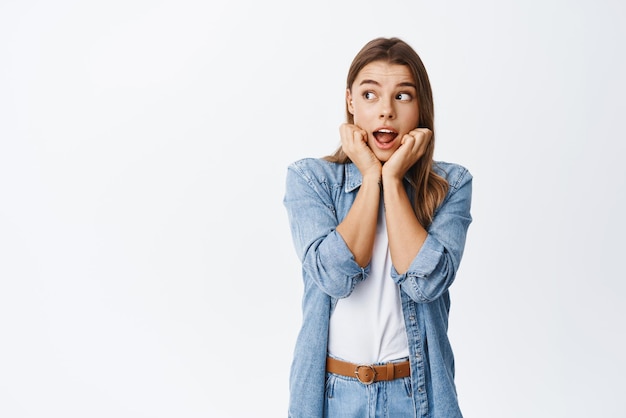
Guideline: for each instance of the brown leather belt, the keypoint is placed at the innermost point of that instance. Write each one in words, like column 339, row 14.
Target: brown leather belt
column 367, row 373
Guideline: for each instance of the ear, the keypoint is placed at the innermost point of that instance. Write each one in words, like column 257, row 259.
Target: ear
column 349, row 102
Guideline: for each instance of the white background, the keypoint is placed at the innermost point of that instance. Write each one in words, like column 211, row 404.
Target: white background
column 146, row 266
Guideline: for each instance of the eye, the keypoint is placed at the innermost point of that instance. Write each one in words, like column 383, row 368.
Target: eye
column 369, row 95
column 404, row 97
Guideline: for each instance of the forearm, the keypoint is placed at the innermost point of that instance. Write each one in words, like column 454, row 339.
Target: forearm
column 406, row 235
column 358, row 228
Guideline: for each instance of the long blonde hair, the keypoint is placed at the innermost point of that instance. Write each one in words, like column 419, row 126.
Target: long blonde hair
column 429, row 188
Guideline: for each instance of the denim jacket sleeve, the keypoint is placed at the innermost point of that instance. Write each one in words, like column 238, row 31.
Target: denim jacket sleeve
column 434, row 268
column 313, row 215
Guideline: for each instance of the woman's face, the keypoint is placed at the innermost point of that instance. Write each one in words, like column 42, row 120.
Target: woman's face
column 383, row 101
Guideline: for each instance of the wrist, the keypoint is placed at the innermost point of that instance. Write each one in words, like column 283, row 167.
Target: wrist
column 372, row 177
column 391, row 178
column 373, row 172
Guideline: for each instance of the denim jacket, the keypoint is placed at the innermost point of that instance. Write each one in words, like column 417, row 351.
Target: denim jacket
column 317, row 197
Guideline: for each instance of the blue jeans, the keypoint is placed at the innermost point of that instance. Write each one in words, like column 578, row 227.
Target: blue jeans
column 346, row 397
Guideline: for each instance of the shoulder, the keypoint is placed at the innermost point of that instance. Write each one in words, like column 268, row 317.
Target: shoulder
column 317, row 169
column 456, row 174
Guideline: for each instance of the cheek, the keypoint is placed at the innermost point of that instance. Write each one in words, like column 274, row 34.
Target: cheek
column 357, row 117
column 416, row 116
column 411, row 117
column 361, row 115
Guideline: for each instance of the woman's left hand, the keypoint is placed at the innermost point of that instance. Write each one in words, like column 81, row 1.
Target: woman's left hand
column 412, row 148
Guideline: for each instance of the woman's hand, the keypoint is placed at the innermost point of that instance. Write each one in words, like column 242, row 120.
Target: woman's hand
column 354, row 144
column 412, row 148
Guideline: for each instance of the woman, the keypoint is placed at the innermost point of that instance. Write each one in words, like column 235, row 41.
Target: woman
column 380, row 230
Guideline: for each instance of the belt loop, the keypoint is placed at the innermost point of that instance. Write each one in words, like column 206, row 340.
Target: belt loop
column 390, row 371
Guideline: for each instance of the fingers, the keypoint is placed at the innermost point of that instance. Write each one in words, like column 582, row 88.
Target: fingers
column 417, row 140
column 359, row 135
column 354, row 145
column 353, row 138
column 353, row 132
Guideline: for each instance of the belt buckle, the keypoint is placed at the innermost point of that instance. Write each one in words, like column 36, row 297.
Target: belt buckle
column 362, row 380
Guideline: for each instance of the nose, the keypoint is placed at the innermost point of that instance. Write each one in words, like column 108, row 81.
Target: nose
column 387, row 110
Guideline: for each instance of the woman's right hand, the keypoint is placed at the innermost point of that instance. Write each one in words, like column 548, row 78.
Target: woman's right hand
column 354, row 144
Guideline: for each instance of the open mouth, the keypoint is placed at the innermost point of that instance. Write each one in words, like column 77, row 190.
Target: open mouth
column 385, row 136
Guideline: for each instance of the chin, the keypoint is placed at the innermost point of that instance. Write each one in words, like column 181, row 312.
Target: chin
column 383, row 157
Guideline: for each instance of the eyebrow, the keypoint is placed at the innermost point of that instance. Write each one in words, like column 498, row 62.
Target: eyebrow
column 403, row 84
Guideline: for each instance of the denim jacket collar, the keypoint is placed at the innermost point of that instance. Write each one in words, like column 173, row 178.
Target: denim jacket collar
column 353, row 177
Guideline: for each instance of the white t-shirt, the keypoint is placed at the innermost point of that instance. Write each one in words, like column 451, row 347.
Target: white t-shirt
column 368, row 326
